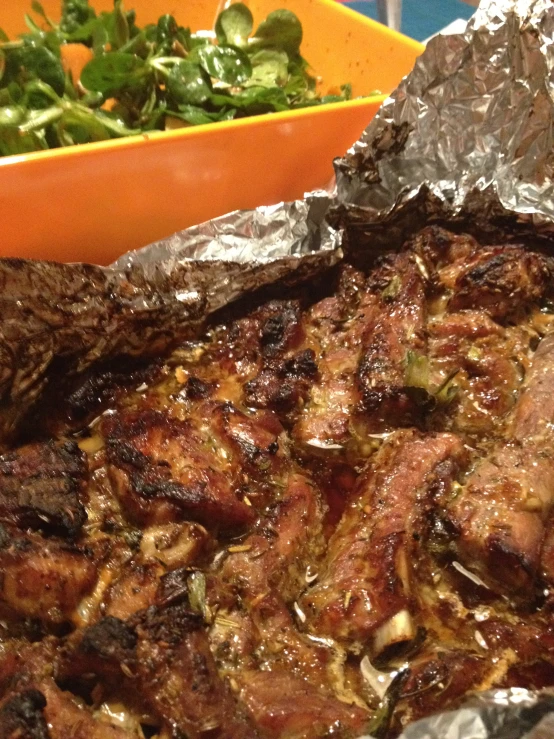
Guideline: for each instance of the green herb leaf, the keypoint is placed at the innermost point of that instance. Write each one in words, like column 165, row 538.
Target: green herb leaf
column 346, row 91
column 38, row 94
column 392, row 289
column 229, row 65
column 234, row 25
column 15, row 92
column 280, row 30
column 197, row 116
column 32, row 26
column 3, row 35
column 166, row 29
column 120, row 26
column 114, row 124
column 330, row 99
column 269, row 68
column 81, row 126
column 75, row 13
column 100, row 38
column 14, row 141
column 446, row 393
column 192, row 114
column 32, row 62
column 39, row 10
column 37, row 119
column 187, row 84
column 296, row 86
column 114, row 72
column 196, row 585
column 380, row 723
column 11, row 115
column 259, row 100
column 84, row 34
column 417, row 370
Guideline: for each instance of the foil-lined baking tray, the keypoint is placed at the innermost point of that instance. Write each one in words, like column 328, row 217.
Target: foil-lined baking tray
column 466, row 138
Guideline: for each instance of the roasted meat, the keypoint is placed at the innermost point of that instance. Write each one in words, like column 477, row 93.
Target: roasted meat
column 501, row 513
column 43, row 487
column 325, row 516
column 365, row 595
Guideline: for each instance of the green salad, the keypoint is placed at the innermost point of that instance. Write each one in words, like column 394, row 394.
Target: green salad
column 139, row 79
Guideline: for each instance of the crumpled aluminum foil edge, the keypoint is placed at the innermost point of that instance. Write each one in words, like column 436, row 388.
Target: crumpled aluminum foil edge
column 494, row 714
column 150, row 298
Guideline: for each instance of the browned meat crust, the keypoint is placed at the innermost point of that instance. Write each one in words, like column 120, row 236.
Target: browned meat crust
column 499, row 279
column 367, row 577
column 42, row 486
column 178, row 676
column 163, row 470
column 308, row 493
column 44, row 579
column 396, row 334
column 22, row 716
column 273, row 700
column 500, row 514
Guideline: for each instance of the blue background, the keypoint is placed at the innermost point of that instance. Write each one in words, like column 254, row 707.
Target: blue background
column 420, row 18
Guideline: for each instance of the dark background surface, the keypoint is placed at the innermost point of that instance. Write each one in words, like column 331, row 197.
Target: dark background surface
column 420, row 18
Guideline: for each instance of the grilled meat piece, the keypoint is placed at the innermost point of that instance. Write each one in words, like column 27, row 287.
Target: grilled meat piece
column 44, row 579
column 285, row 375
column 178, row 677
column 501, row 514
column 42, row 486
column 252, row 443
column 440, row 678
column 535, row 409
column 22, row 716
column 283, row 386
column 67, row 719
column 500, row 279
column 285, row 706
column 392, row 342
column 268, row 335
column 441, row 248
column 107, row 649
column 276, row 554
column 133, row 590
column 366, row 593
column 479, row 363
column 335, row 328
column 163, row 470
column 260, row 578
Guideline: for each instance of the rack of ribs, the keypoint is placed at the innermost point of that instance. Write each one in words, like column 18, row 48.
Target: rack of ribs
column 326, row 516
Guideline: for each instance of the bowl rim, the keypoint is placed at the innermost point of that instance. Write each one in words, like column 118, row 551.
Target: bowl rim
column 156, row 138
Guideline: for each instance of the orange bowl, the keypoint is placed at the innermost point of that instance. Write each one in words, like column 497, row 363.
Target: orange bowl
column 96, row 201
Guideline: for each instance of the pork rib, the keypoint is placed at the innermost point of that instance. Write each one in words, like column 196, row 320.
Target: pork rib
column 365, row 594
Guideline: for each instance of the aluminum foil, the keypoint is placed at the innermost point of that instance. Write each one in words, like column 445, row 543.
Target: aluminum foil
column 60, row 318
column 472, row 124
column 495, row 714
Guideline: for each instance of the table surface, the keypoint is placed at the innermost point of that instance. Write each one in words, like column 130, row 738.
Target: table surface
column 420, row 18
